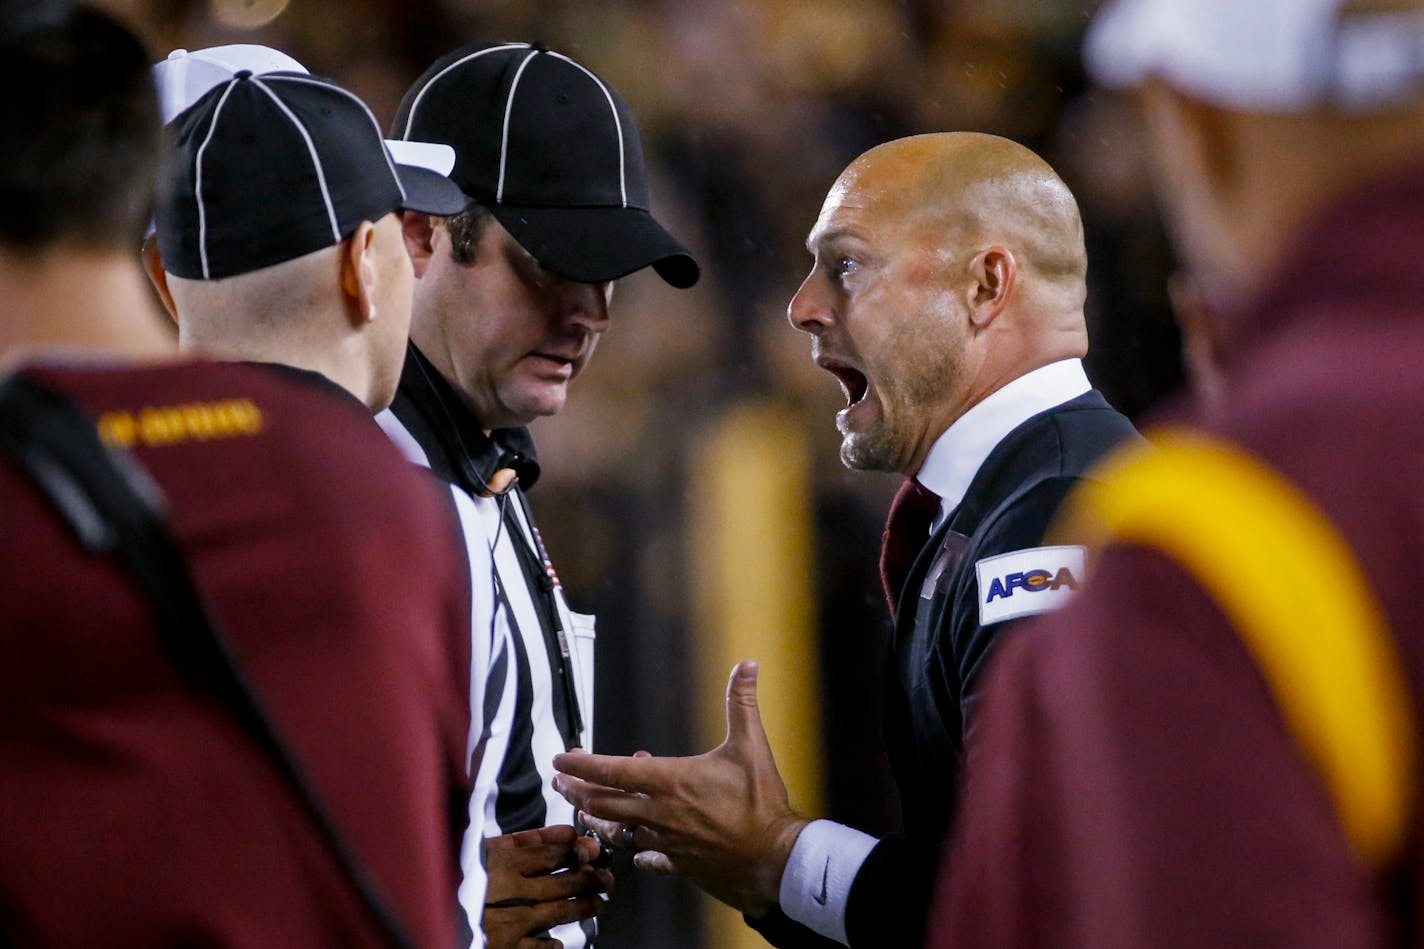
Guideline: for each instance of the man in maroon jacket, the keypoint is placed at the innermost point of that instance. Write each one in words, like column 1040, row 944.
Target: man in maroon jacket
column 134, row 808
column 1143, row 776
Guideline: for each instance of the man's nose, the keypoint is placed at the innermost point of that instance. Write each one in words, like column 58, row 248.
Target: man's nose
column 808, row 310
column 585, row 305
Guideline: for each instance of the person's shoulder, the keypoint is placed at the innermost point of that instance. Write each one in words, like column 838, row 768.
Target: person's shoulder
column 1055, row 452
column 187, row 392
column 326, row 449
column 266, row 422
column 314, row 418
column 1062, row 442
column 1087, row 429
column 1017, row 572
column 1025, row 518
column 302, row 395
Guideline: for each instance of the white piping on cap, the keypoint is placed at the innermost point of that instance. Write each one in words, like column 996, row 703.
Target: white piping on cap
column 617, row 124
column 504, row 133
column 198, row 179
column 376, row 126
column 311, row 148
column 410, row 118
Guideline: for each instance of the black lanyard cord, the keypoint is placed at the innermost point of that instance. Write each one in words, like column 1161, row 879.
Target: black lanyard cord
column 539, row 577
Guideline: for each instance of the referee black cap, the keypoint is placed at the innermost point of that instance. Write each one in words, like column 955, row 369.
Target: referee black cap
column 553, row 152
column 263, row 169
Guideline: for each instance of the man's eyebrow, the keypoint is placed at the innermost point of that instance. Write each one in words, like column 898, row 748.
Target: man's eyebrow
column 832, row 237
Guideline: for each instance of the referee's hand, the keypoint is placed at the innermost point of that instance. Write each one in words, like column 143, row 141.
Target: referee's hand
column 720, row 819
column 539, row 879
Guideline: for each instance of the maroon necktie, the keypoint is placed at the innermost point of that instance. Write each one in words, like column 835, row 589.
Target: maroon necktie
column 907, row 530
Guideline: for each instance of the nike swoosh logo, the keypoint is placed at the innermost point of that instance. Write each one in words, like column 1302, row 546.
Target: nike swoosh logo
column 820, row 897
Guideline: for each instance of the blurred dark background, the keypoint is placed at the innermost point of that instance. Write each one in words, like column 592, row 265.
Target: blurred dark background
column 749, row 111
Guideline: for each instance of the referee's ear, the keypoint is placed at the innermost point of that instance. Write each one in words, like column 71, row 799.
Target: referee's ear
column 419, row 231
column 358, row 273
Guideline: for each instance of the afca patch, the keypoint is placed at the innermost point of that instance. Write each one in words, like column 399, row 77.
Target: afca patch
column 1026, row 582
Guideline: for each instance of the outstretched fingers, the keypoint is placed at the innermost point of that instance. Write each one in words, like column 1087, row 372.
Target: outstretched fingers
column 640, row 773
column 604, row 803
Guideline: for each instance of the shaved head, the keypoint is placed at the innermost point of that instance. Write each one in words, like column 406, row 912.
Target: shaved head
column 342, row 311
column 973, row 189
column 947, row 265
column 273, row 300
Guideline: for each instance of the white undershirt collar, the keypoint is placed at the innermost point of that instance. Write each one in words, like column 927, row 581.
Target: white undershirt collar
column 957, row 455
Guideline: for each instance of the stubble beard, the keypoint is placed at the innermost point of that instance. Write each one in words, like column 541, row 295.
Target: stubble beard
column 868, row 451
column 905, row 403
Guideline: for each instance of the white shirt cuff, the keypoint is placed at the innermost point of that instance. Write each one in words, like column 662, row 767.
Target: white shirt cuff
column 815, row 886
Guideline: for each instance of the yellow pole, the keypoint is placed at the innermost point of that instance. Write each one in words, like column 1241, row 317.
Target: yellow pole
column 753, row 599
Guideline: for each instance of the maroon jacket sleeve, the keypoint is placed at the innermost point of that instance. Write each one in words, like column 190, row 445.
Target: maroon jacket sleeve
column 1133, row 785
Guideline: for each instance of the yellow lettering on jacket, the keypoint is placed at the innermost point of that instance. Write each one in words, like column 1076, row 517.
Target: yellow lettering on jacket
column 163, row 425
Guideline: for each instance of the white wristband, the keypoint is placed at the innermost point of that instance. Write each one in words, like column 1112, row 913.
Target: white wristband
column 815, row 885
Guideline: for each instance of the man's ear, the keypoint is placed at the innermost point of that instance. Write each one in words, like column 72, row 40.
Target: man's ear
column 993, row 273
column 358, row 273
column 419, row 232
column 153, row 266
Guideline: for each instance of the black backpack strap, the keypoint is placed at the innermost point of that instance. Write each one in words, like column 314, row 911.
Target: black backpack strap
column 115, row 508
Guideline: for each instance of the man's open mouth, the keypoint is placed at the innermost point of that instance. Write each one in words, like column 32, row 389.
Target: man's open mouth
column 852, row 380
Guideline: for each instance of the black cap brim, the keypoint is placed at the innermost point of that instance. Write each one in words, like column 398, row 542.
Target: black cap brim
column 596, row 245
column 429, row 192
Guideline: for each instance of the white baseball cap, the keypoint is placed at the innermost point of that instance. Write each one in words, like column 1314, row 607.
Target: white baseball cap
column 183, row 77
column 1262, row 55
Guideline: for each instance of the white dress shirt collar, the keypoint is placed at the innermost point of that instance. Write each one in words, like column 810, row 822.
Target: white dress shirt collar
column 957, row 455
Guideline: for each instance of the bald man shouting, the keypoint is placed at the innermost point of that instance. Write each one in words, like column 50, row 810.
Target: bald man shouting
column 946, row 297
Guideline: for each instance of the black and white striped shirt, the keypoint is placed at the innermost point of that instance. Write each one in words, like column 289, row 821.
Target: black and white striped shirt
column 548, row 705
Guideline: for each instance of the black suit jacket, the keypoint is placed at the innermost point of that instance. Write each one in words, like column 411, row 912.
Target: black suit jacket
column 938, row 655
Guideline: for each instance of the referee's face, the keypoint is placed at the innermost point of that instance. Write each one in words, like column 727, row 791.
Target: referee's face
column 886, row 317
column 510, row 334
